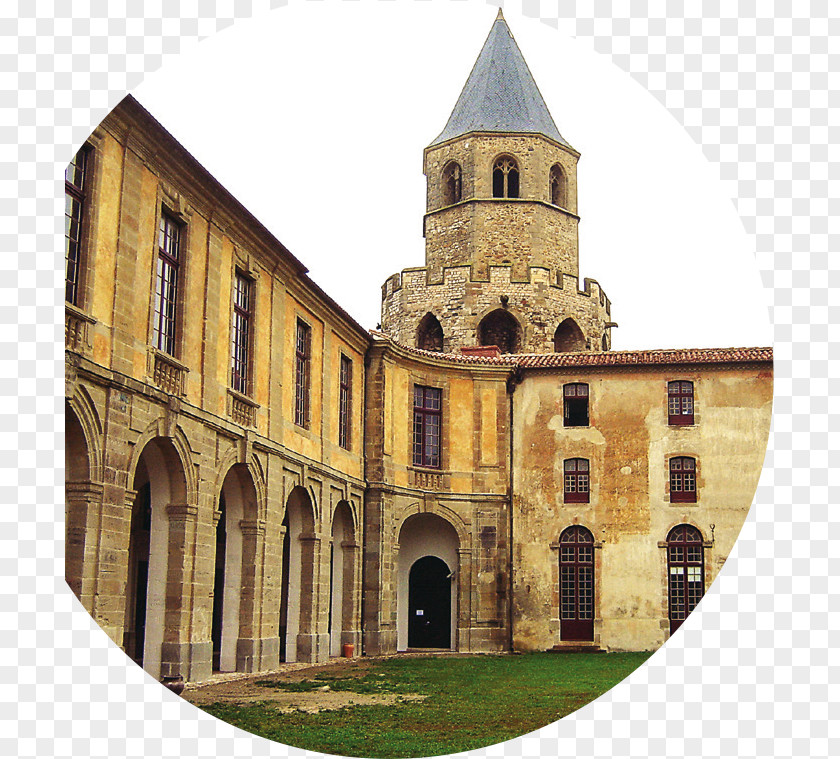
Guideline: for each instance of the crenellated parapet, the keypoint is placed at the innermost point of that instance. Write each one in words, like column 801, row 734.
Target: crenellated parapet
column 537, row 300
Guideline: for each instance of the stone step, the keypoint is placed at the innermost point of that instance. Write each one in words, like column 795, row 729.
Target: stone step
column 576, row 648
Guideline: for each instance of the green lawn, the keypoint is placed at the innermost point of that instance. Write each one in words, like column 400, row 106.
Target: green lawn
column 472, row 702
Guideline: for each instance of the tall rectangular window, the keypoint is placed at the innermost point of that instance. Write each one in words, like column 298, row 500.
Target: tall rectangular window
column 345, row 380
column 240, row 339
column 166, row 284
column 427, row 411
column 303, row 341
column 75, row 188
column 576, row 481
column 680, row 402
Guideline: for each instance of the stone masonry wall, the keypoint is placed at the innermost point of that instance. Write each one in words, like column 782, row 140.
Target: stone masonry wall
column 460, row 302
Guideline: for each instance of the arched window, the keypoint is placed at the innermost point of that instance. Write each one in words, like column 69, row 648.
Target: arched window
column 500, row 328
column 680, row 402
column 451, row 183
column 605, row 344
column 505, row 177
column 568, row 337
column 576, row 405
column 685, row 573
column 683, row 479
column 557, row 186
column 577, row 584
column 430, row 334
column 576, row 481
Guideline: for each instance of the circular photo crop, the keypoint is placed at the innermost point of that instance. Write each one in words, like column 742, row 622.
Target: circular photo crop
column 417, row 376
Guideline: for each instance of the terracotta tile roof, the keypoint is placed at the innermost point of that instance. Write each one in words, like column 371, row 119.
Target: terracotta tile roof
column 645, row 357
column 656, row 357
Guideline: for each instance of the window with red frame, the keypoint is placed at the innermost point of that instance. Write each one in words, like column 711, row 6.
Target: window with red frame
column 427, row 413
column 680, row 402
column 683, row 480
column 685, row 573
column 576, row 481
column 576, row 405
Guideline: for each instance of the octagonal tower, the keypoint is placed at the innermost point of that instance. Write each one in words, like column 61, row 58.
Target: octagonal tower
column 501, row 226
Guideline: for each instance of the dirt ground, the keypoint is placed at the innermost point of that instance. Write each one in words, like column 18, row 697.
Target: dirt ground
column 237, row 688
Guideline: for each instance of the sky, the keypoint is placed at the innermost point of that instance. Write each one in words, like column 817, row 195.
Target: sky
column 315, row 116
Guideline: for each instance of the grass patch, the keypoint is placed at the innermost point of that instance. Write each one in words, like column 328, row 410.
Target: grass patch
column 472, row 702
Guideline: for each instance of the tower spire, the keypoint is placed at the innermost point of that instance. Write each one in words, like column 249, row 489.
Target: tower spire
column 500, row 94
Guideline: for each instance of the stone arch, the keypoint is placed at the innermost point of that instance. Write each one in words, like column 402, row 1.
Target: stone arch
column 430, row 333
column 299, row 586
column 501, row 328
column 81, row 407
column 451, row 183
column 238, row 550
column 423, row 535
column 557, row 186
column 505, row 176
column 176, row 443
column 343, row 552
column 157, row 548
column 82, row 495
column 568, row 337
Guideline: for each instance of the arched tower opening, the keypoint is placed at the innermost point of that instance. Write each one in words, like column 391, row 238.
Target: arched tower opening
column 430, row 333
column 568, row 337
column 557, row 186
column 505, row 177
column 500, row 328
column 451, row 183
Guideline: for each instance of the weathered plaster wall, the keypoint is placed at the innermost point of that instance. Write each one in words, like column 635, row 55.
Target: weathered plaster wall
column 628, row 443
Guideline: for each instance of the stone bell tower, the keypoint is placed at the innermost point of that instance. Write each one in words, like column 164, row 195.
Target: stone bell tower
column 501, row 226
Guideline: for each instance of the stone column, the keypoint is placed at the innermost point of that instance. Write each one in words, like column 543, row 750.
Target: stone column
column 181, row 653
column 251, row 653
column 464, row 585
column 83, row 502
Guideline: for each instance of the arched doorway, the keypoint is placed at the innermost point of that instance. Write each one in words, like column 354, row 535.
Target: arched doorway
column 427, row 581
column 429, row 603
column 577, row 584
column 298, row 569
column 159, row 482
column 342, row 572
column 685, row 573
column 568, row 337
column 500, row 328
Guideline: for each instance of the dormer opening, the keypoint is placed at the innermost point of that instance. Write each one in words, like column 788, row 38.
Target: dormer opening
column 451, row 183
column 505, row 177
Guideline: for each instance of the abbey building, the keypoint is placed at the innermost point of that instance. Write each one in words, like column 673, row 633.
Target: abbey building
column 252, row 477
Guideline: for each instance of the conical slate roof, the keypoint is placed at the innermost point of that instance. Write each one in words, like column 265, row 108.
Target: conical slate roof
column 500, row 94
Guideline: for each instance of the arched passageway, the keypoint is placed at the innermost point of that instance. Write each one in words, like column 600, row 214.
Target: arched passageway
column 297, row 594
column 234, row 577
column 342, row 578
column 428, row 546
column 77, row 496
column 158, row 483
